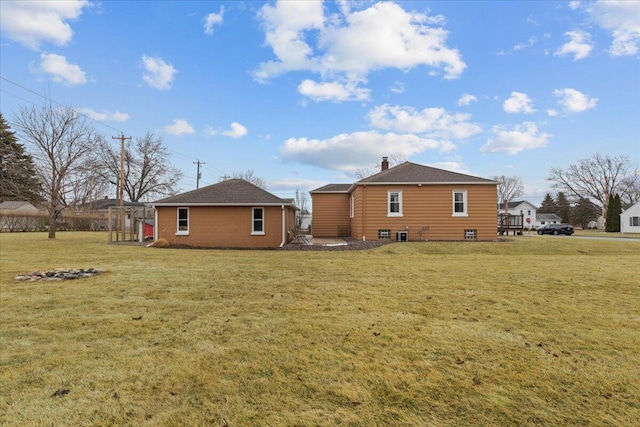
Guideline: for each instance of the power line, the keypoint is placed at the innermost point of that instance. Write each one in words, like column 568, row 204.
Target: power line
column 53, row 101
column 84, row 115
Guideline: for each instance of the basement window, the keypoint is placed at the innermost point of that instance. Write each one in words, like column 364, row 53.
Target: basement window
column 384, row 234
column 470, row 234
column 183, row 222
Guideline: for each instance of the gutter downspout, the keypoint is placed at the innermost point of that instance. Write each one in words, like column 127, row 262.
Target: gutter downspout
column 155, row 223
column 283, row 227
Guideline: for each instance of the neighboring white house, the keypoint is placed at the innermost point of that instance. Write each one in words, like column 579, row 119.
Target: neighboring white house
column 548, row 218
column 526, row 209
column 19, row 215
column 630, row 219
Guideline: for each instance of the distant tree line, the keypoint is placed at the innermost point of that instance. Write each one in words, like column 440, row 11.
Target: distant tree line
column 579, row 212
column 57, row 159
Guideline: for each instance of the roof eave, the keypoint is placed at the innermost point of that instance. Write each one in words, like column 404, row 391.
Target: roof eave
column 188, row 204
column 428, row 183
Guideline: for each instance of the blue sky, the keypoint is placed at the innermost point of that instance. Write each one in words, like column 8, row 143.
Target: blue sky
column 306, row 93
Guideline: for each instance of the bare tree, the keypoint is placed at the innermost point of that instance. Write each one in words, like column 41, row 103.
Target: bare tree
column 630, row 188
column 509, row 189
column 147, row 171
column 394, row 160
column 302, row 202
column 85, row 185
column 596, row 178
column 61, row 139
column 251, row 177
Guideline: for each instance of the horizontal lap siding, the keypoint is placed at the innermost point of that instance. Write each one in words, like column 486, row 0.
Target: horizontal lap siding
column 330, row 211
column 430, row 208
column 223, row 227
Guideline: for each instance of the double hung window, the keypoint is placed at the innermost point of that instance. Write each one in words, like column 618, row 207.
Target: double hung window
column 460, row 203
column 183, row 221
column 394, row 203
column 258, row 221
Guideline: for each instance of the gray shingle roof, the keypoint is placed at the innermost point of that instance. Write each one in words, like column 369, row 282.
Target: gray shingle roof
column 13, row 204
column 107, row 203
column 409, row 173
column 229, row 192
column 548, row 217
column 418, row 174
column 332, row 188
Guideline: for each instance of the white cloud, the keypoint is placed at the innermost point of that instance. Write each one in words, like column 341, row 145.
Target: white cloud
column 518, row 103
column 350, row 152
column 349, row 45
column 285, row 24
column 60, row 70
column 179, row 127
column 466, row 99
column 552, row 112
column 105, row 116
column 213, row 19
column 573, row 5
column 32, row 23
column 236, row 131
column 332, row 91
column 512, row 141
column 158, row 74
column 622, row 19
column 579, row 45
column 530, row 42
column 574, row 101
column 397, row 87
column 431, row 122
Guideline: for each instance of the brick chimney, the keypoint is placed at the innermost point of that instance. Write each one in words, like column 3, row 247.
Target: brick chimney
column 385, row 163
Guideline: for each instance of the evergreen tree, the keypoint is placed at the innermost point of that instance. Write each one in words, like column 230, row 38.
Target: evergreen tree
column 610, row 225
column 564, row 208
column 617, row 210
column 584, row 212
column 18, row 178
column 548, row 205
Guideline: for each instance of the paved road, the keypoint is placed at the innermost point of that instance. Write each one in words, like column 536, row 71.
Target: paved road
column 612, row 239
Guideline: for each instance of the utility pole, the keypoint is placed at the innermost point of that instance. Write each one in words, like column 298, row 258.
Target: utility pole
column 121, row 182
column 198, row 175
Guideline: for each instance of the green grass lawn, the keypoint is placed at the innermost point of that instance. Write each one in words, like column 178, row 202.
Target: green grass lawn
column 528, row 331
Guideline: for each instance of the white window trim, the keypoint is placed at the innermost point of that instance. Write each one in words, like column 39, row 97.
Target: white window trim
column 178, row 231
column 253, row 232
column 394, row 214
column 465, row 212
column 351, row 207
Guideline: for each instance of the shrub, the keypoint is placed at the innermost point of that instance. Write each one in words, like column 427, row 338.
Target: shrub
column 161, row 243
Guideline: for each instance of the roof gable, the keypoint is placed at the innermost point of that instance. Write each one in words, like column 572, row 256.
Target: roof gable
column 413, row 173
column 516, row 203
column 229, row 192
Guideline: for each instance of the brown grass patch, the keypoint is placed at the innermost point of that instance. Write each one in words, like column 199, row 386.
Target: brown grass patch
column 533, row 331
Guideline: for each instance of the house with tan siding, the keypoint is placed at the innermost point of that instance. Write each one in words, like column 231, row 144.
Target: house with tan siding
column 229, row 214
column 408, row 202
